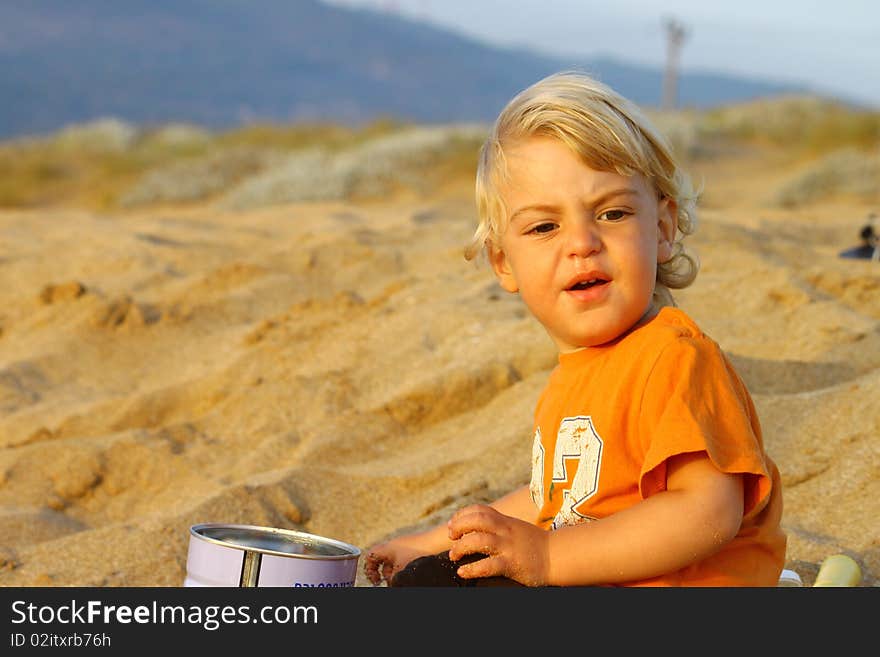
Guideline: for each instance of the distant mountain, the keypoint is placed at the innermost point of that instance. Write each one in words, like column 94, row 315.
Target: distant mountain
column 219, row 63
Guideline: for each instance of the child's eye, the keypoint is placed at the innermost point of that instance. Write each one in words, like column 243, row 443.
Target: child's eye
column 545, row 227
column 613, row 215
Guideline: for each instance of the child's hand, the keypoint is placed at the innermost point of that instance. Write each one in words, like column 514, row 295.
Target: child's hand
column 517, row 549
column 384, row 560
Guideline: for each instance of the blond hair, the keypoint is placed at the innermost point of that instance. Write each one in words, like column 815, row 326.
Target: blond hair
column 610, row 133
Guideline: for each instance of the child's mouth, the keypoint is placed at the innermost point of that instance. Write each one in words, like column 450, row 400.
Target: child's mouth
column 586, row 285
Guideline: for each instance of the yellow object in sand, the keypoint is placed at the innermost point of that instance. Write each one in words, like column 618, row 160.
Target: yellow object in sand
column 838, row 570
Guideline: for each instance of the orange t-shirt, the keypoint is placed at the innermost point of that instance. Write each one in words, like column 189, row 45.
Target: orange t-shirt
column 611, row 416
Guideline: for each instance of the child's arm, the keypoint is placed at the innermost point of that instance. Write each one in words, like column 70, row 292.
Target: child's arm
column 516, row 504
column 385, row 559
column 700, row 511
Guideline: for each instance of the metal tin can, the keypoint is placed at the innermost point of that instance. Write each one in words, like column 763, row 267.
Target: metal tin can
column 247, row 555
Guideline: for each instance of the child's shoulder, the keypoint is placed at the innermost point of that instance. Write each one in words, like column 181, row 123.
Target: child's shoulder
column 671, row 332
column 670, row 324
column 676, row 323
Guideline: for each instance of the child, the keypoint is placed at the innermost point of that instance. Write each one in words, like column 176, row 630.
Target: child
column 648, row 466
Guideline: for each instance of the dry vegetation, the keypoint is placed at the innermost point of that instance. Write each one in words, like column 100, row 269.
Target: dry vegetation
column 109, row 164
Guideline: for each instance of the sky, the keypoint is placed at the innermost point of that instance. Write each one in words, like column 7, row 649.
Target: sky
column 831, row 46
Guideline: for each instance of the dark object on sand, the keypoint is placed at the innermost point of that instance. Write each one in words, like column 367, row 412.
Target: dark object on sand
column 439, row 570
column 869, row 249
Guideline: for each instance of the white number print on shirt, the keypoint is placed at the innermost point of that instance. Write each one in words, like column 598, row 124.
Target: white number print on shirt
column 577, row 461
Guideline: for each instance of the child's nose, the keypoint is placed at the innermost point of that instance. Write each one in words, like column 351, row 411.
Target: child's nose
column 583, row 239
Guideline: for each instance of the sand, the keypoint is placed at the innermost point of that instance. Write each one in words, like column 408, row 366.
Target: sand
column 339, row 368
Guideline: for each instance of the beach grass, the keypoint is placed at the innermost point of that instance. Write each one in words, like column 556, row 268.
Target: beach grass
column 96, row 165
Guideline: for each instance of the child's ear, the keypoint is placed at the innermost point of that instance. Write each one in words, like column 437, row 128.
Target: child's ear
column 667, row 224
column 501, row 267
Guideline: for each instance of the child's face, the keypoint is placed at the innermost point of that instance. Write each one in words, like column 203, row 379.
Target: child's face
column 581, row 246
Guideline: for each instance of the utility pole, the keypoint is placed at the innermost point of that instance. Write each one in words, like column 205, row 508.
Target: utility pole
column 675, row 35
